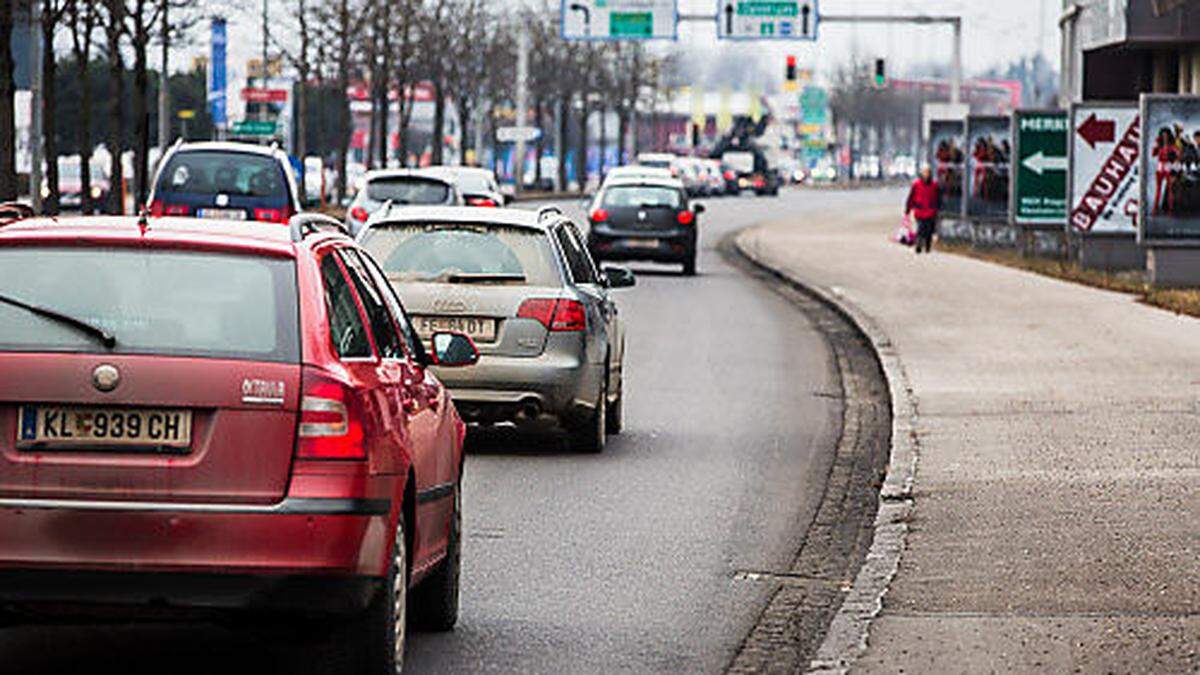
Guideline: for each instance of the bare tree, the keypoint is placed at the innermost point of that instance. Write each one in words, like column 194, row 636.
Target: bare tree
column 8, row 136
column 143, row 16
column 53, row 12
column 340, row 23
column 303, row 59
column 83, row 20
column 404, row 61
column 114, row 31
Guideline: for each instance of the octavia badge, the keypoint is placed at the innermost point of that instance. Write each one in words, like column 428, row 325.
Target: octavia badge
column 106, row 377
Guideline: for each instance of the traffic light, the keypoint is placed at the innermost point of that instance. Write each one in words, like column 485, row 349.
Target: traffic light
column 789, row 78
column 880, row 73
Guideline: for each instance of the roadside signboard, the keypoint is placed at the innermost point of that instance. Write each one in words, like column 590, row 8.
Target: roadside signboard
column 1105, row 146
column 262, row 128
column 767, row 19
column 1170, row 169
column 946, row 157
column 216, row 74
column 516, row 134
column 620, row 19
column 988, row 153
column 814, row 103
column 257, row 95
column 1039, row 191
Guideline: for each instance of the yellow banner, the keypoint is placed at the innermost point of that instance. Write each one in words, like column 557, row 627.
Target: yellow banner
column 725, row 113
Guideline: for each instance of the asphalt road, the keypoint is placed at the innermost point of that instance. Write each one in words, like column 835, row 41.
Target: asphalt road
column 625, row 561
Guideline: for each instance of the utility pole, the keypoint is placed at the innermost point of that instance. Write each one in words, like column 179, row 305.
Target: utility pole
column 164, row 95
column 266, row 17
column 522, row 102
column 35, row 127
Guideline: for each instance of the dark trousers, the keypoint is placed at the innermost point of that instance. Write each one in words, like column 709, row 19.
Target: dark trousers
column 925, row 230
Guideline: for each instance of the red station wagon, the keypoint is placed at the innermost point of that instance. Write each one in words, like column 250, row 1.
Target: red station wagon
column 219, row 416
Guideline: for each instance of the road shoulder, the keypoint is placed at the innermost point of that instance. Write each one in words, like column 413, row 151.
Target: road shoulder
column 831, row 569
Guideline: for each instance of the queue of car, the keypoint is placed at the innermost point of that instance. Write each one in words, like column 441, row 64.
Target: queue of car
column 227, row 408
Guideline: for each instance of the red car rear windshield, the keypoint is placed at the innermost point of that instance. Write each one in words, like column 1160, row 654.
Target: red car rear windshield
column 171, row 303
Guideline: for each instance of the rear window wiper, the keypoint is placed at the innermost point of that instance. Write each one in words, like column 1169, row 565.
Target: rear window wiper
column 102, row 336
column 485, row 277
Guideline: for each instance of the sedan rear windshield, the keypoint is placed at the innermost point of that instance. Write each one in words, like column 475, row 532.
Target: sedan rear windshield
column 171, row 303
column 457, row 253
column 642, row 196
column 210, row 172
column 408, row 191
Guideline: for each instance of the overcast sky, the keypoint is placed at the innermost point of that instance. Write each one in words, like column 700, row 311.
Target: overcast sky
column 996, row 32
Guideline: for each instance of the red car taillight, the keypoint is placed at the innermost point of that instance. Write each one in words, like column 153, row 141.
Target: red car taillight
column 686, row 217
column 481, row 201
column 359, row 213
column 272, row 215
column 330, row 427
column 599, row 216
column 158, row 209
column 729, row 175
column 557, row 315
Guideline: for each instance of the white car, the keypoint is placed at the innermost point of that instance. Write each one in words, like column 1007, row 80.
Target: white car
column 478, row 186
column 400, row 187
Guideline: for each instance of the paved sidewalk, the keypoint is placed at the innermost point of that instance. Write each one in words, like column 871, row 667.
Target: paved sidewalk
column 1057, row 515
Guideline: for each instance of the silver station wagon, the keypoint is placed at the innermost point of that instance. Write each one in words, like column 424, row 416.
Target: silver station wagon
column 523, row 287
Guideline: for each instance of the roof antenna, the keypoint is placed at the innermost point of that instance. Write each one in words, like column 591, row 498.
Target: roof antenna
column 143, row 221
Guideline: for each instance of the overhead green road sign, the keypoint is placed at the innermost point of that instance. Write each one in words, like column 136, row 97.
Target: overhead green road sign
column 767, row 19
column 631, row 25
column 620, row 19
column 1040, row 167
column 253, row 128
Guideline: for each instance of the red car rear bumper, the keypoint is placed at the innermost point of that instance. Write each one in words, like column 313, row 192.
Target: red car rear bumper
column 297, row 535
column 196, row 556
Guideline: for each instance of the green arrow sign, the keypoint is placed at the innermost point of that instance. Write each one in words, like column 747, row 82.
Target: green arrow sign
column 1040, row 167
column 631, row 24
column 253, row 128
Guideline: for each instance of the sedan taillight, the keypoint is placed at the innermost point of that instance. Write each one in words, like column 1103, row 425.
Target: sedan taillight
column 359, row 213
column 599, row 216
column 481, row 201
column 686, row 217
column 271, row 215
column 557, row 315
column 330, row 428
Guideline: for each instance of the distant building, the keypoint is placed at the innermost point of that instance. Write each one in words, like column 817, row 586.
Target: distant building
column 1118, row 49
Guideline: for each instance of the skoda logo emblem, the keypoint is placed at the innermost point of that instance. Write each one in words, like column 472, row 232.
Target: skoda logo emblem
column 106, row 377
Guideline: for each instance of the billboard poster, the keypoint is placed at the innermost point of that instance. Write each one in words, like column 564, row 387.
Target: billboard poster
column 1105, row 150
column 989, row 151
column 1039, row 190
column 217, row 76
column 1170, row 164
column 946, row 157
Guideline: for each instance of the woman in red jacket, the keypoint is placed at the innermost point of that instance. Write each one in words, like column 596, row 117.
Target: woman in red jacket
column 924, row 202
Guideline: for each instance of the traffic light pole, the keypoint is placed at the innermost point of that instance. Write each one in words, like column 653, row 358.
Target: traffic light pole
column 954, row 21
column 920, row 20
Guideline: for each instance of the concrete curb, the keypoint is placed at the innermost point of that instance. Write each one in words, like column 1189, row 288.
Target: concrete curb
column 848, row 633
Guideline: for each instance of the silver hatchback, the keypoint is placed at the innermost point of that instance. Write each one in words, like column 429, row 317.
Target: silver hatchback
column 523, row 287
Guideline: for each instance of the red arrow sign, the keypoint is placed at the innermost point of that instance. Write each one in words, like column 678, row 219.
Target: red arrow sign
column 1095, row 130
